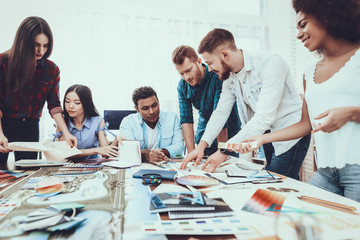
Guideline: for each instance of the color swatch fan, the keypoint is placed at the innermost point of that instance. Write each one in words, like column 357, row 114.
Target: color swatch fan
column 194, row 180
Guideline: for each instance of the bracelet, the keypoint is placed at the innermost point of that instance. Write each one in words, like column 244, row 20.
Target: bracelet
column 225, row 151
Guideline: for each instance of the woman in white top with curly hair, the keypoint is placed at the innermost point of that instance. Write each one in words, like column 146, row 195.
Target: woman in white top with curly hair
column 331, row 108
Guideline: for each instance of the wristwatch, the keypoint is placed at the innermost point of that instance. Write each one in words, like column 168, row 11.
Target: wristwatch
column 225, row 151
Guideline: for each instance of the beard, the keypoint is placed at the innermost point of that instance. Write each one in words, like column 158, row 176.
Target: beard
column 226, row 73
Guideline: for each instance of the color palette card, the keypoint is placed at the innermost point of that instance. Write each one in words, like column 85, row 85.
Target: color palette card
column 205, row 226
column 6, row 207
column 262, row 200
column 75, row 169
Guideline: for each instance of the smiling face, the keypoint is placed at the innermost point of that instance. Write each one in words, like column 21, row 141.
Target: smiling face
column 310, row 31
column 217, row 65
column 41, row 44
column 73, row 105
column 191, row 71
column 149, row 110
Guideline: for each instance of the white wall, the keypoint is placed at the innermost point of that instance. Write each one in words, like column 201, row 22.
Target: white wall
column 115, row 46
column 282, row 40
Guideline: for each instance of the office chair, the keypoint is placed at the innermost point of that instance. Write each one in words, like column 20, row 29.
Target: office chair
column 114, row 117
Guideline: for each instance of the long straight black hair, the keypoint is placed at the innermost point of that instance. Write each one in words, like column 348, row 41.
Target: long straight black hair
column 86, row 100
column 21, row 56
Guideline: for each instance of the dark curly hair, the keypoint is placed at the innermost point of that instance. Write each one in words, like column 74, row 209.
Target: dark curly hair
column 143, row 93
column 341, row 18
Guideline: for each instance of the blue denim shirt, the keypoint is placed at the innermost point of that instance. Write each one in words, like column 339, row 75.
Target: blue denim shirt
column 88, row 135
column 133, row 127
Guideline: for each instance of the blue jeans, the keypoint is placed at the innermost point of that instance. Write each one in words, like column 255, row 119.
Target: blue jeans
column 288, row 163
column 343, row 181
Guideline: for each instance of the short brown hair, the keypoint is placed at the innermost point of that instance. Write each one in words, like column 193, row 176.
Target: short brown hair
column 215, row 38
column 182, row 52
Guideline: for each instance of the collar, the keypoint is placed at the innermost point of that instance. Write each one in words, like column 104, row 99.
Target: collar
column 41, row 63
column 86, row 124
column 206, row 75
column 248, row 65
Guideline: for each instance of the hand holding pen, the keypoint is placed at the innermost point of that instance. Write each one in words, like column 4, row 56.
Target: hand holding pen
column 157, row 155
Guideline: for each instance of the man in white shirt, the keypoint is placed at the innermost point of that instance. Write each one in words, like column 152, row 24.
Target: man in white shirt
column 159, row 133
column 266, row 97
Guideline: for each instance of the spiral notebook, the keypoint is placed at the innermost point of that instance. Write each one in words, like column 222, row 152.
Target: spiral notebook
column 221, row 210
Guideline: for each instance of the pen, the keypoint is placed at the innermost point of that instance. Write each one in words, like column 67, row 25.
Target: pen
column 157, row 164
column 266, row 181
column 110, row 132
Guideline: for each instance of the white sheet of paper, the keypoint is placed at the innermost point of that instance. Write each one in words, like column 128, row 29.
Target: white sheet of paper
column 53, row 151
column 129, row 155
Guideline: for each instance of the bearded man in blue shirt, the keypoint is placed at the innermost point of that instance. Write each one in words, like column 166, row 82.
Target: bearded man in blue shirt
column 199, row 88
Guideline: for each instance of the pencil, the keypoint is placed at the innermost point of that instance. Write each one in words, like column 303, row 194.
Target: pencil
column 332, row 205
column 156, row 164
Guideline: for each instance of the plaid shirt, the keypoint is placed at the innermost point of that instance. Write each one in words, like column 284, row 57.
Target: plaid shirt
column 44, row 86
column 204, row 98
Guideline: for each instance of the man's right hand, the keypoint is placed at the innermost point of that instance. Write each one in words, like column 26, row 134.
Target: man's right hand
column 196, row 155
column 4, row 144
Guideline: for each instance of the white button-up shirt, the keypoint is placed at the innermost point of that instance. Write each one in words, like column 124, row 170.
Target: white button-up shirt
column 272, row 100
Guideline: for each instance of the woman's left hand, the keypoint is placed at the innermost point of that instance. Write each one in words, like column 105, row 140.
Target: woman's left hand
column 335, row 119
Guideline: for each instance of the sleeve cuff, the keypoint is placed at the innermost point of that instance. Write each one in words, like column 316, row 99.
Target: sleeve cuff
column 55, row 110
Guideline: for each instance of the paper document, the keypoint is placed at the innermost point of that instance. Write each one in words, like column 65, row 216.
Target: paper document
column 129, row 155
column 53, row 151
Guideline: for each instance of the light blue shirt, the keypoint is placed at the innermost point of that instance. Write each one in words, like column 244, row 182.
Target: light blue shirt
column 88, row 135
column 170, row 133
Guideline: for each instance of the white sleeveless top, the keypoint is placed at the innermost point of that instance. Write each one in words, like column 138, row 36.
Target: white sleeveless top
column 341, row 90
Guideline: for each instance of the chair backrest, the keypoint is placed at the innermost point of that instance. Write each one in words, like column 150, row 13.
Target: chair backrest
column 114, row 117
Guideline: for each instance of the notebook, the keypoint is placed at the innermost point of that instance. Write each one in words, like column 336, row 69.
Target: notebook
column 182, row 202
column 222, row 210
column 129, row 155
